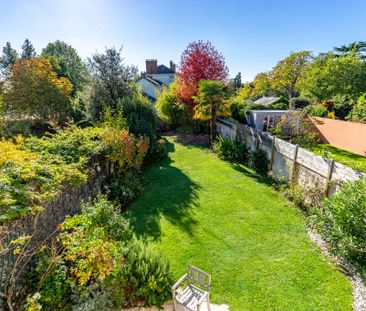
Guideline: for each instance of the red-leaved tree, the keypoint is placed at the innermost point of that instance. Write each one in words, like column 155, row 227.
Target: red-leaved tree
column 199, row 61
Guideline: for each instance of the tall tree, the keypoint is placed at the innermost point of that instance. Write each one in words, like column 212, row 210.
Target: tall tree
column 28, row 51
column 358, row 48
column 286, row 74
column 37, row 92
column 237, row 81
column 111, row 80
column 330, row 75
column 212, row 102
column 199, row 61
column 8, row 59
column 67, row 63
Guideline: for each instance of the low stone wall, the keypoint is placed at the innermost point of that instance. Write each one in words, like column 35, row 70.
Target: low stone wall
column 289, row 162
column 42, row 225
column 342, row 134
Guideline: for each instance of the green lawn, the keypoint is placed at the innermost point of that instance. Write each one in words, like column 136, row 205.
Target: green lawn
column 203, row 211
column 344, row 157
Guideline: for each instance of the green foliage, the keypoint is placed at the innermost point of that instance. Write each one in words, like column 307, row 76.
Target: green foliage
column 358, row 112
column 124, row 189
column 72, row 144
column 8, row 59
column 157, row 150
column 67, row 63
column 111, row 80
column 341, row 221
column 35, row 91
column 299, row 102
column 140, row 114
column 101, row 265
column 148, row 276
column 231, row 150
column 286, row 75
column 35, row 170
column 342, row 106
column 259, row 162
column 29, row 179
column 170, row 109
column 211, row 102
column 316, row 111
column 238, row 112
column 330, row 75
column 28, row 50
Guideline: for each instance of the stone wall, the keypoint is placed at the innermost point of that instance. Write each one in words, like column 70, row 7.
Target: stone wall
column 41, row 226
column 290, row 162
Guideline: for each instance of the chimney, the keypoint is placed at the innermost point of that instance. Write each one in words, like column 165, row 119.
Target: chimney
column 172, row 66
column 151, row 66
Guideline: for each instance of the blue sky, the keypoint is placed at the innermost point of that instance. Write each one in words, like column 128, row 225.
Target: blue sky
column 252, row 35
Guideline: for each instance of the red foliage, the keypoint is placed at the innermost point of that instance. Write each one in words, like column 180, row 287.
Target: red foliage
column 200, row 60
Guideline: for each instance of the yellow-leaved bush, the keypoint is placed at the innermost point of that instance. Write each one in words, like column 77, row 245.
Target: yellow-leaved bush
column 33, row 171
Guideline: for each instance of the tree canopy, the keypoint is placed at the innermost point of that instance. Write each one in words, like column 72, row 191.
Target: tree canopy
column 8, row 59
column 199, row 61
column 67, row 63
column 285, row 76
column 111, row 80
column 36, row 91
column 28, row 50
column 212, row 102
column 328, row 76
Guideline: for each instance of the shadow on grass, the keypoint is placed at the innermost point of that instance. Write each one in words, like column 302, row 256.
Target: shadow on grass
column 262, row 179
column 170, row 195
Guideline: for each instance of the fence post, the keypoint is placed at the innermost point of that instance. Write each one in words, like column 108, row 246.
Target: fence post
column 329, row 176
column 272, row 154
column 293, row 171
column 257, row 138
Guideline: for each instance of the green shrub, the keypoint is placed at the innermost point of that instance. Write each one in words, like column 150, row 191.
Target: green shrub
column 124, row 189
column 317, row 111
column 341, row 221
column 157, row 150
column 170, row 109
column 259, row 162
column 299, row 102
column 140, row 114
column 147, row 275
column 358, row 112
column 101, row 265
column 342, row 106
column 238, row 112
column 231, row 150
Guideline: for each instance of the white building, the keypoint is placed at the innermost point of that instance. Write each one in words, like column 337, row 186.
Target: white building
column 263, row 120
column 155, row 77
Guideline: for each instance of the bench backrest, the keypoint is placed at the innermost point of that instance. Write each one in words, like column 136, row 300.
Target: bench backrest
column 198, row 277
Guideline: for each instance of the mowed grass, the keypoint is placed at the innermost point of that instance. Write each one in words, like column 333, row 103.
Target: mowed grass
column 352, row 160
column 203, row 211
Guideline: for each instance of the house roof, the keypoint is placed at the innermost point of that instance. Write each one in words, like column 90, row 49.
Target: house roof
column 266, row 100
column 163, row 69
column 151, row 80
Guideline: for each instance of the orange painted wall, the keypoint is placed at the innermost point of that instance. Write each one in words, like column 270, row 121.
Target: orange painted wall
column 350, row 136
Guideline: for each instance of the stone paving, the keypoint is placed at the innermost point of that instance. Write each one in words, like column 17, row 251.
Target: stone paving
column 169, row 307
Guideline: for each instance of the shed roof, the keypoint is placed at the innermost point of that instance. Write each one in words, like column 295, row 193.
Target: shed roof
column 266, row 100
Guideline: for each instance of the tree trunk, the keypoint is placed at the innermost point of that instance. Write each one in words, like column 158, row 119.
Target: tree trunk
column 213, row 123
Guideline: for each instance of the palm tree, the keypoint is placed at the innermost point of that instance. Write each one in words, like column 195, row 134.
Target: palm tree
column 357, row 48
column 212, row 102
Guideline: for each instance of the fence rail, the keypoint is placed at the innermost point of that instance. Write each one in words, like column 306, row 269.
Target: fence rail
column 289, row 162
